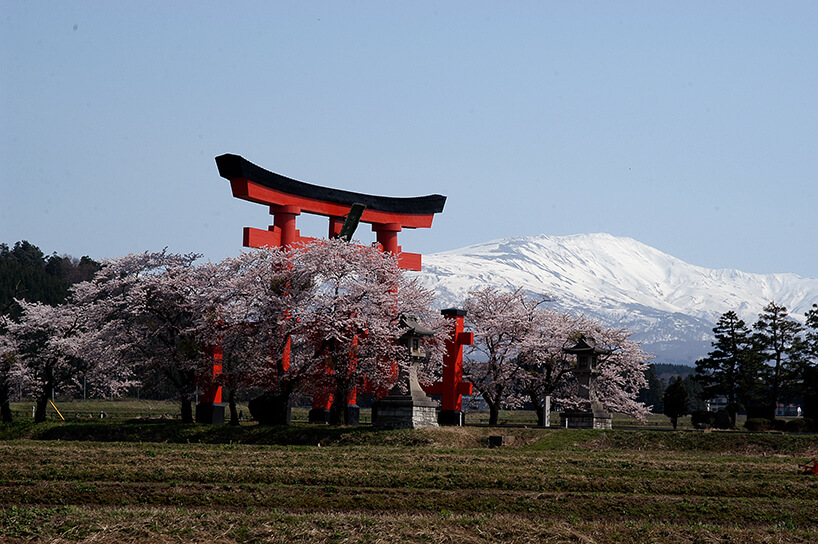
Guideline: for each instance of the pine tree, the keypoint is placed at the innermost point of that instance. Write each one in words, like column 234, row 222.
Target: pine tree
column 731, row 368
column 777, row 340
column 810, row 384
column 812, row 333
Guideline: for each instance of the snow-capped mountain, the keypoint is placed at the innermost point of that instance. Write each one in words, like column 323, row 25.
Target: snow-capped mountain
column 671, row 306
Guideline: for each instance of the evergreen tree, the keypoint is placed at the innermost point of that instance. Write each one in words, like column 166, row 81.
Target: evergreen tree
column 777, row 340
column 731, row 368
column 811, row 335
column 810, row 383
column 27, row 274
column 676, row 401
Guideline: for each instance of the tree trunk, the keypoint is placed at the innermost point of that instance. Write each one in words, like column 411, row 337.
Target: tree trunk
column 494, row 414
column 42, row 400
column 39, row 411
column 283, row 406
column 540, row 415
column 234, row 412
column 732, row 409
column 674, row 420
column 5, row 408
column 337, row 412
column 536, row 401
column 5, row 412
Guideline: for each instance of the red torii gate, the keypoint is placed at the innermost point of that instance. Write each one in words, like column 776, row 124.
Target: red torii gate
column 287, row 198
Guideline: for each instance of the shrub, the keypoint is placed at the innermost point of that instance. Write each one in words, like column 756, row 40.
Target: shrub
column 799, row 425
column 758, row 424
column 723, row 420
column 702, row 419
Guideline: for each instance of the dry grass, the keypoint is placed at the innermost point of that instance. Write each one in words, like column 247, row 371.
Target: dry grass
column 441, row 485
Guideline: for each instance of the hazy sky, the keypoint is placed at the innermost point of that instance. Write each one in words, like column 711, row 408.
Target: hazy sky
column 691, row 127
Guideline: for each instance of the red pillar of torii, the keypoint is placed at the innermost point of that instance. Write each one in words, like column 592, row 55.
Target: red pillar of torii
column 288, row 198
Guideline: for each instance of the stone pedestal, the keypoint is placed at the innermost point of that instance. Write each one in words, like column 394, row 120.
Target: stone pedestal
column 210, row 413
column 451, row 418
column 409, row 409
column 318, row 415
column 353, row 415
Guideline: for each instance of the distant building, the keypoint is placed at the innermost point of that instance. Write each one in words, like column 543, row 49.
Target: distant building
column 788, row 410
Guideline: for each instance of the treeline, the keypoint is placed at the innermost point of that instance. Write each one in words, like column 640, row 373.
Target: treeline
column 26, row 273
column 659, row 375
column 760, row 367
column 752, row 369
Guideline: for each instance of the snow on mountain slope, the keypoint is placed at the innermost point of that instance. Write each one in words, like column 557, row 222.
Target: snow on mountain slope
column 670, row 305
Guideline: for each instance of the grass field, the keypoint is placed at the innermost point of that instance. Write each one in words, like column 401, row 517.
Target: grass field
column 132, row 408
column 115, row 481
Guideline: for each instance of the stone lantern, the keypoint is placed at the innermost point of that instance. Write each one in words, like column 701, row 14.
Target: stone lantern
column 407, row 406
column 592, row 415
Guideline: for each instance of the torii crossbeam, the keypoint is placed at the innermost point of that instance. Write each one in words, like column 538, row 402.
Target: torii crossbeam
column 288, row 198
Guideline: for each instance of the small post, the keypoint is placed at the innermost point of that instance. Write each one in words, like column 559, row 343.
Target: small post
column 546, row 409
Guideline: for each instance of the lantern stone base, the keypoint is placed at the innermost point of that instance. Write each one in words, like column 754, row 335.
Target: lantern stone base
column 411, row 409
column 393, row 413
column 596, row 419
column 353, row 415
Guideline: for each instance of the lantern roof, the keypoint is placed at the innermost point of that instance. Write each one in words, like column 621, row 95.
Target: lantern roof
column 415, row 328
column 586, row 345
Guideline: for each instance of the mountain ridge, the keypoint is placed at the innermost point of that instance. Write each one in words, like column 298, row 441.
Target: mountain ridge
column 670, row 305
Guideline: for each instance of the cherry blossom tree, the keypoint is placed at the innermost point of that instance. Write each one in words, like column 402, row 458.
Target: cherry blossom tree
column 323, row 316
column 545, row 368
column 10, row 373
column 46, row 343
column 249, row 314
column 501, row 322
column 622, row 374
column 518, row 355
column 146, row 309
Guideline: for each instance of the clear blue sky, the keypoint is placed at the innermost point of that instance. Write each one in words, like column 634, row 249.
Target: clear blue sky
column 689, row 126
